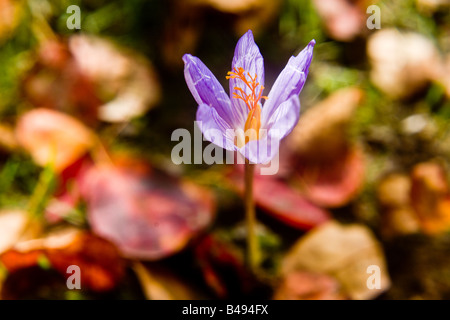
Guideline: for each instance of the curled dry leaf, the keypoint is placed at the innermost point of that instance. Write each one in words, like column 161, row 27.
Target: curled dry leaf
column 398, row 216
column 99, row 261
column 402, row 62
column 344, row 20
column 146, row 216
column 430, row 197
column 91, row 78
column 335, row 183
column 330, row 169
column 321, row 133
column 344, row 252
column 301, row 285
column 55, row 81
column 126, row 76
column 52, row 137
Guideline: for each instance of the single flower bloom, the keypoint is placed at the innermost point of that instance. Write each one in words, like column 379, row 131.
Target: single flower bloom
column 243, row 123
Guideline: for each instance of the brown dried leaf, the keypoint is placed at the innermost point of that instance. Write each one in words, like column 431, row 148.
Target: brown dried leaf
column 344, row 252
column 402, row 63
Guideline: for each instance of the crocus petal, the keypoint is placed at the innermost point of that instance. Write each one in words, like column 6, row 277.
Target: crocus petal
column 284, row 118
column 205, row 87
column 260, row 151
column 289, row 82
column 248, row 57
column 214, row 128
column 280, row 124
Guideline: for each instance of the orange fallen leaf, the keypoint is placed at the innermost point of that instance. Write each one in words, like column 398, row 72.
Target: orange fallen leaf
column 52, row 137
column 430, row 197
column 397, row 214
column 99, row 261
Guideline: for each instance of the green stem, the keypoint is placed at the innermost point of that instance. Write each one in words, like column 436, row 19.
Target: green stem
column 253, row 255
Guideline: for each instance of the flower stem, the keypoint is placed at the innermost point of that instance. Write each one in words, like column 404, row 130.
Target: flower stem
column 253, row 255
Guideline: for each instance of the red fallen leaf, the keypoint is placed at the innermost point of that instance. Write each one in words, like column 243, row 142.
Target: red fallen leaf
column 219, row 262
column 68, row 192
column 281, row 201
column 333, row 183
column 330, row 168
column 53, row 137
column 68, row 195
column 99, row 261
column 147, row 216
column 322, row 131
column 303, row 285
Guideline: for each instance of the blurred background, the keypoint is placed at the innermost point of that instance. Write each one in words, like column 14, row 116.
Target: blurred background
column 360, row 208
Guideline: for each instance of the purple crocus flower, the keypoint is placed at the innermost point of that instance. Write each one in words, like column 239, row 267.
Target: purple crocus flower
column 242, row 123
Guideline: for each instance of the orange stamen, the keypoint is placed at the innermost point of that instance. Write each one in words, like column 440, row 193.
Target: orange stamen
column 251, row 101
